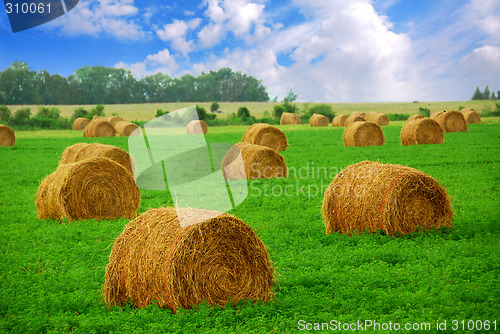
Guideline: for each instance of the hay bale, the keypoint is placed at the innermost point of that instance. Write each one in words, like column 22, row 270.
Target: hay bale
column 435, row 115
column 218, row 260
column 471, row 116
column 318, row 120
column 196, row 127
column 394, row 198
column 125, row 129
column 339, row 120
column 288, row 118
column 261, row 162
column 80, row 123
column 422, row 131
column 353, row 118
column 7, row 136
column 95, row 188
column 97, row 117
column 99, row 128
column 452, row 121
column 414, row 117
column 266, row 135
column 378, row 118
column 114, row 120
column 357, row 113
column 363, row 134
column 83, row 151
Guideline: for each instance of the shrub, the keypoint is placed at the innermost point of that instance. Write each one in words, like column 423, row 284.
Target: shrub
column 98, row 110
column 22, row 116
column 323, row 109
column 160, row 112
column 202, row 114
column 80, row 112
column 279, row 109
column 243, row 113
column 46, row 112
column 214, row 107
column 398, row 117
column 423, row 111
column 5, row 114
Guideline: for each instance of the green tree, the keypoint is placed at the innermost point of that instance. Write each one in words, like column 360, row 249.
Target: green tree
column 493, row 96
column 21, row 116
column 46, row 112
column 486, row 93
column 243, row 113
column 214, row 107
column 5, row 114
column 290, row 96
column 18, row 85
column 477, row 94
column 323, row 109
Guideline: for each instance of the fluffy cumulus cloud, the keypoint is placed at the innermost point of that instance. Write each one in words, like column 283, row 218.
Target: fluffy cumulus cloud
column 163, row 61
column 176, row 34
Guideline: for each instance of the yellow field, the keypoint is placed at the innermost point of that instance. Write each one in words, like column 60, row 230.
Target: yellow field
column 147, row 111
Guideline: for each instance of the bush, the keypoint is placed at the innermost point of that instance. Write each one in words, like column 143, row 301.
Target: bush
column 21, row 116
column 398, row 117
column 323, row 109
column 243, row 113
column 279, row 109
column 5, row 114
column 98, row 110
column 214, row 107
column 160, row 112
column 424, row 111
column 202, row 114
column 80, row 112
column 46, row 112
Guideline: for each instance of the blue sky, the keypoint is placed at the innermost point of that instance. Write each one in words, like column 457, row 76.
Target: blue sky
column 325, row 50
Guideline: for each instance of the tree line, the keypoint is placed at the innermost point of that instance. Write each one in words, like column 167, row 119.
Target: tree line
column 104, row 85
column 485, row 95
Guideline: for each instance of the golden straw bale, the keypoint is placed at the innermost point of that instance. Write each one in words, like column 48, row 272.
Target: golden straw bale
column 471, row 116
column 80, row 123
column 318, row 120
column 197, row 127
column 288, row 118
column 339, row 120
column 114, row 119
column 353, row 118
column 393, row 198
column 378, row 118
column 99, row 128
column 357, row 113
column 363, row 134
column 452, row 121
column 266, row 135
column 95, row 188
column 84, row 151
column 219, row 260
column 416, row 116
column 435, row 115
column 422, row 131
column 7, row 136
column 125, row 129
column 261, row 162
column 98, row 117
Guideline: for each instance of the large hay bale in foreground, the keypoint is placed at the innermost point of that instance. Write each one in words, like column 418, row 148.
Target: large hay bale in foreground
column 378, row 118
column 7, row 136
column 318, row 120
column 80, row 123
column 452, row 121
column 394, row 198
column 217, row 259
column 288, row 118
column 435, row 115
column 266, row 135
column 99, row 128
column 414, row 117
column 363, row 134
column 260, row 162
column 95, row 188
column 125, row 129
column 422, row 131
column 114, row 120
column 197, row 127
column 353, row 118
column 339, row 120
column 471, row 116
column 84, row 151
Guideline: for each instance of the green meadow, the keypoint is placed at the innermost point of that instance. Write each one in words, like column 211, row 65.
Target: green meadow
column 52, row 272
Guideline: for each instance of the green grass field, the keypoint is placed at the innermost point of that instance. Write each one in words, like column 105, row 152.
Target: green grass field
column 51, row 273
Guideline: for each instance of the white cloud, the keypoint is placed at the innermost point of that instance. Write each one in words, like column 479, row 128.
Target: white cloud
column 483, row 64
column 211, row 35
column 176, row 33
column 163, row 61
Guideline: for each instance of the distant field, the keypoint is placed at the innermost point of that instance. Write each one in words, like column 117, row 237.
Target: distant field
column 147, row 111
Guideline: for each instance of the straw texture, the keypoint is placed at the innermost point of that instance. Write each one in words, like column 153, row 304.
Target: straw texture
column 452, row 121
column 80, row 123
column 99, row 128
column 196, row 127
column 353, row 118
column 84, row 151
column 339, row 120
column 471, row 116
column 422, row 131
column 318, row 120
column 378, row 118
column 7, row 136
column 288, row 118
column 363, row 134
column 266, row 135
column 125, row 129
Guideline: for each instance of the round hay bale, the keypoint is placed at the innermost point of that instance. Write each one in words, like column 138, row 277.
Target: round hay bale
column 114, row 119
column 80, row 123
column 288, row 118
column 452, row 121
column 261, row 162
column 378, row 118
column 99, row 128
column 98, row 117
column 219, row 260
column 125, row 129
column 83, row 151
column 339, row 120
column 363, row 134
column 471, row 116
column 196, row 127
column 422, row 131
column 353, row 118
column 394, row 198
column 266, row 135
column 414, row 117
column 358, row 113
column 7, row 136
column 435, row 115
column 318, row 120
column 89, row 189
